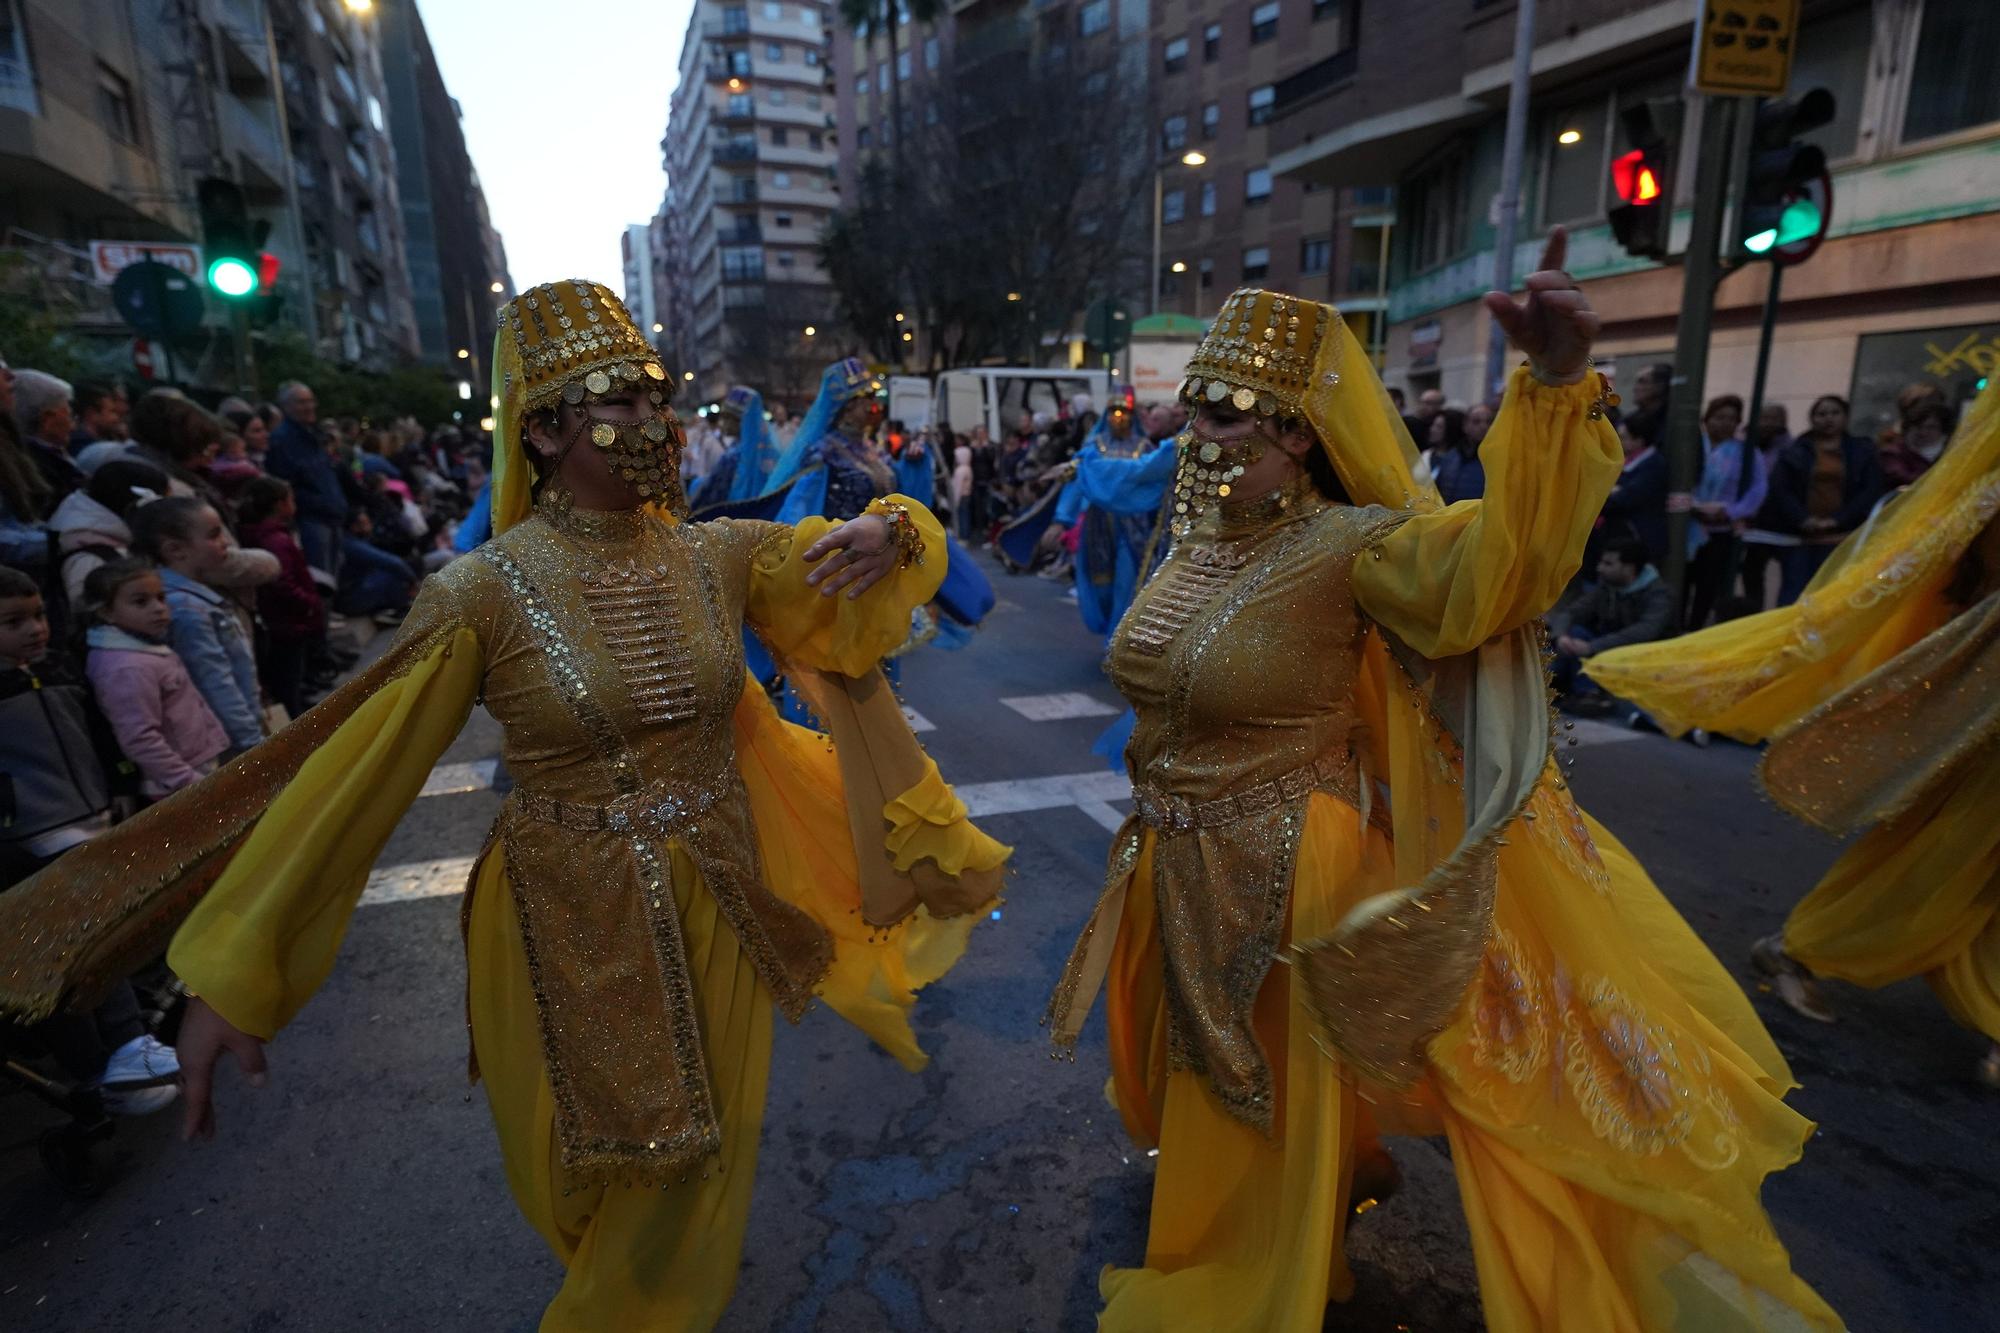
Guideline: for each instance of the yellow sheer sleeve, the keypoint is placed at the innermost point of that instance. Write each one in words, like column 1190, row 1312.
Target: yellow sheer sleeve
column 836, row 633
column 1448, row 581
column 264, row 937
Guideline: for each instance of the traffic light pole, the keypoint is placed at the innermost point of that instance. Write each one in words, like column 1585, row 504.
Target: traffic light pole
column 1701, row 270
column 1763, row 354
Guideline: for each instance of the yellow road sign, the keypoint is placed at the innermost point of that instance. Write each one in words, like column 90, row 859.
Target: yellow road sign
column 1745, row 46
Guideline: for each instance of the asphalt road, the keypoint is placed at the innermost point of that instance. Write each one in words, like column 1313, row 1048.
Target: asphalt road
column 362, row 1188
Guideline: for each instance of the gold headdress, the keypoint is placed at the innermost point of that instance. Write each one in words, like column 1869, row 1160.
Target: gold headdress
column 561, row 342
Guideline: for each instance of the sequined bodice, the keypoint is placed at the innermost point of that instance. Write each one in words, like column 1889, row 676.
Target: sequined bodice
column 614, row 654
column 1239, row 656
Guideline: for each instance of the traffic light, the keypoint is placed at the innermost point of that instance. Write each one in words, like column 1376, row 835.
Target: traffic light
column 1643, row 177
column 237, row 263
column 1778, row 208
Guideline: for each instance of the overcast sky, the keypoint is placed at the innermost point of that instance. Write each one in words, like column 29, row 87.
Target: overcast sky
column 565, row 104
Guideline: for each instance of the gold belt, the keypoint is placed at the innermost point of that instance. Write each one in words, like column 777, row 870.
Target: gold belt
column 1177, row 814
column 664, row 808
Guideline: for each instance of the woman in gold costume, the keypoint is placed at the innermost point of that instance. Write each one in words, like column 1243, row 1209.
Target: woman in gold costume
column 1880, row 692
column 673, row 861
column 1356, row 898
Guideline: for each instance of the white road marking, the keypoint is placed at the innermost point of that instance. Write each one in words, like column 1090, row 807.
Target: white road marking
column 1059, row 707
column 1590, row 731
column 450, row 779
column 417, row 879
column 918, row 722
column 1091, row 792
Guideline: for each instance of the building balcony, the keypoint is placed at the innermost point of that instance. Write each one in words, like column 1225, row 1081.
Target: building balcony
column 1315, row 81
column 246, row 51
column 1379, row 149
column 734, row 152
column 252, row 132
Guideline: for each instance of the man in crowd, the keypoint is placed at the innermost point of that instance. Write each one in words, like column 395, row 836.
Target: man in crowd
column 42, row 412
column 298, row 456
column 1629, row 603
column 101, row 411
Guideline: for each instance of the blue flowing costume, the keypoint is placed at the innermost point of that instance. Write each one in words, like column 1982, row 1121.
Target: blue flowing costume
column 1118, row 491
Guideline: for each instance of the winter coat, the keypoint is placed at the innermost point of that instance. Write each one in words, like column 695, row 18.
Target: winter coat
column 291, row 604
column 89, row 535
column 215, row 648
column 1638, row 613
column 160, row 719
column 52, row 750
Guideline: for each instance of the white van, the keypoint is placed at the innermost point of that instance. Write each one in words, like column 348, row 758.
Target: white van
column 1003, row 397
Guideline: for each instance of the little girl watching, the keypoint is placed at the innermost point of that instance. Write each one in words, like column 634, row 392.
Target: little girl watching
column 160, row 719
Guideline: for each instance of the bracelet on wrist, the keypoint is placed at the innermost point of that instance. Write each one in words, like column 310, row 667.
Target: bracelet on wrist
column 1607, row 398
column 903, row 534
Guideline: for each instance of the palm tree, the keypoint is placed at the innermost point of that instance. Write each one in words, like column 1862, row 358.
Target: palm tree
column 880, row 16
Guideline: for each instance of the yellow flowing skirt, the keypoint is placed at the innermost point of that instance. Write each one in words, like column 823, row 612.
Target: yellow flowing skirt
column 666, row 1259
column 1918, row 895
column 1611, row 1102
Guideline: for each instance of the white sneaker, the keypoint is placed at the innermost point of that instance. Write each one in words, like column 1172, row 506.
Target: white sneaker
column 142, row 1062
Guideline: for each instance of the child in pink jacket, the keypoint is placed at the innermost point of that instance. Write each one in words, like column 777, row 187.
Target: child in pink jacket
column 160, row 719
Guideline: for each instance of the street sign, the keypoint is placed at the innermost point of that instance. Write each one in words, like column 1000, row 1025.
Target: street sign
column 142, row 358
column 1745, row 46
column 158, row 299
column 110, row 258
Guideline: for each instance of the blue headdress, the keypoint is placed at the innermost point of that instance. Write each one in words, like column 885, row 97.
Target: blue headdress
column 844, row 381
column 756, row 448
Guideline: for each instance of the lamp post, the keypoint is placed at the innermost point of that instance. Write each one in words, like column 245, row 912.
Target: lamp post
column 1191, row 158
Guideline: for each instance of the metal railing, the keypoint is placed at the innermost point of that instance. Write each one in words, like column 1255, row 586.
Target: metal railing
column 1315, row 79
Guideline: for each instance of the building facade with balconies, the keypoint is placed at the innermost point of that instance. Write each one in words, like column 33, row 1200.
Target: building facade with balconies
column 750, row 161
column 1905, row 288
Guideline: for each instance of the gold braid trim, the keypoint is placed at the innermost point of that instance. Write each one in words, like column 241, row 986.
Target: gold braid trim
column 71, row 932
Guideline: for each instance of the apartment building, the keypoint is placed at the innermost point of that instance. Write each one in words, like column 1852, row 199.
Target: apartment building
column 449, row 247
column 750, row 161
column 1907, row 286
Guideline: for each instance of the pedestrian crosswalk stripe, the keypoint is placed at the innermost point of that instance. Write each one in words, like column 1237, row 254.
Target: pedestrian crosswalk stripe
column 450, row 779
column 918, row 722
column 417, row 879
column 1059, row 707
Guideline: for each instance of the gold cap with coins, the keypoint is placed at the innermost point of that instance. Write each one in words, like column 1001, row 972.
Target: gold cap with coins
column 1260, row 353
column 576, row 337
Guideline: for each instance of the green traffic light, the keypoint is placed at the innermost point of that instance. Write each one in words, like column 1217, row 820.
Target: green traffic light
column 1762, row 241
column 1799, row 222
column 232, row 277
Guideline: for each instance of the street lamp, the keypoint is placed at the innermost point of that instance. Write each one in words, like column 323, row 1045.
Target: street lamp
column 1191, row 158
column 810, row 330
column 659, row 328
column 1180, row 266
column 360, row 6
column 688, row 375
column 498, row 288
column 465, row 353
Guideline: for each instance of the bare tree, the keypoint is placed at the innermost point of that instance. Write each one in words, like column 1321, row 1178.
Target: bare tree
column 768, row 347
column 1024, row 202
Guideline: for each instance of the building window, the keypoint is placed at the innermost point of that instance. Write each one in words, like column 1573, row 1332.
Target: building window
column 861, row 137
column 784, row 259
column 1207, row 270
column 1256, row 262
column 811, row 57
column 775, row 97
column 1325, row 9
column 740, row 105
column 1173, row 205
column 1435, row 206
column 781, row 180
column 1176, row 55
column 861, row 86
column 812, row 100
column 774, row 11
column 774, row 53
column 735, row 21
column 742, row 263
column 1256, row 185
column 809, row 16
column 932, row 54
column 882, row 77
column 1575, row 164
column 1315, row 254
column 1094, row 17
column 930, row 113
column 114, row 105
column 814, row 140
column 1173, row 133
column 1942, row 98
column 779, row 136
column 1211, row 120
column 1264, row 22
column 739, row 64
column 1208, row 199
column 1262, row 100
column 1096, row 84
column 1211, row 43
column 781, row 219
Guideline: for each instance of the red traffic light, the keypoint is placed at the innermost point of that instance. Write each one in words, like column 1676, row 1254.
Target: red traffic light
column 267, row 272
column 1634, row 178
